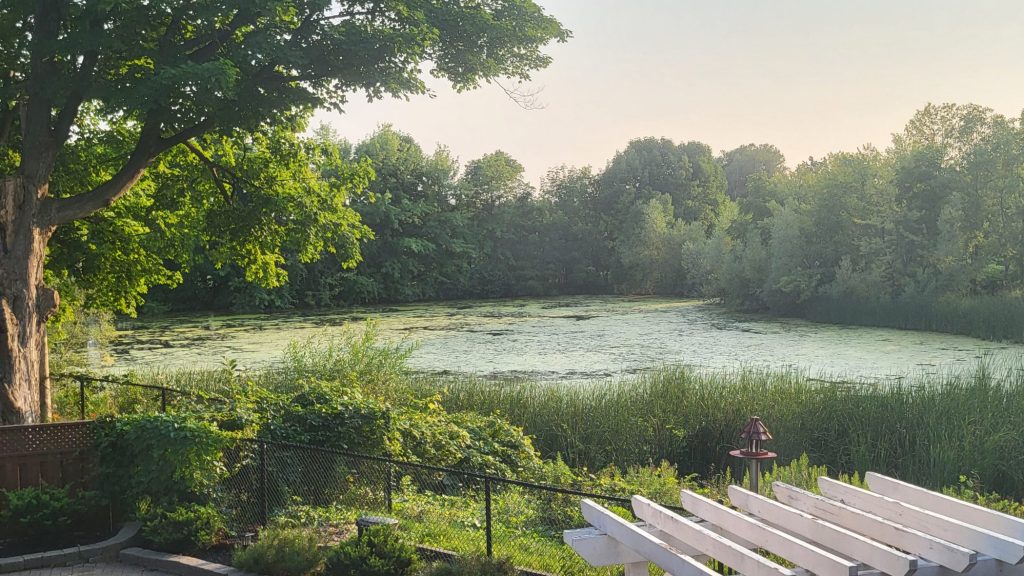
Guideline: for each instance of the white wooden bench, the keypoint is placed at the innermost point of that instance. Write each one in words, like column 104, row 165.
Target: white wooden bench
column 895, row 528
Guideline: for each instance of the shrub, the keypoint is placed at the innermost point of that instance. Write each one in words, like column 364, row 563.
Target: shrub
column 187, row 528
column 332, row 415
column 159, row 459
column 464, row 441
column 429, row 436
column 497, row 447
column 379, row 552
column 473, row 566
column 659, row 483
column 554, row 511
column 46, row 511
column 281, row 552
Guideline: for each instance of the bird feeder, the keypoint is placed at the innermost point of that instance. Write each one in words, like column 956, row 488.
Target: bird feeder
column 755, row 432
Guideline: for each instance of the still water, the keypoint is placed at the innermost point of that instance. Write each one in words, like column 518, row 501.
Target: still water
column 570, row 338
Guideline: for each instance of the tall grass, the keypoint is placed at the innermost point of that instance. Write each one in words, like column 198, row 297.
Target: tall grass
column 998, row 317
column 930, row 432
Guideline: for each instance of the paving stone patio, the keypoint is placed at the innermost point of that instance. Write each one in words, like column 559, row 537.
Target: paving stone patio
column 98, row 569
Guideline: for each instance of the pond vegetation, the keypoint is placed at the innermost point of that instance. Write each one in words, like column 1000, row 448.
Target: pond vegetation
column 561, row 339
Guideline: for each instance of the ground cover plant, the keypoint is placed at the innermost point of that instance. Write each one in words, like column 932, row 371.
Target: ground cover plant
column 46, row 517
column 186, row 528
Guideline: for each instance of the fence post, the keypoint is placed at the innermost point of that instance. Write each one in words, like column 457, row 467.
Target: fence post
column 389, row 479
column 81, row 399
column 163, row 400
column 264, row 512
column 487, row 517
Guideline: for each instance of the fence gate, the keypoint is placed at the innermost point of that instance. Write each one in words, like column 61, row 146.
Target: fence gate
column 894, row 528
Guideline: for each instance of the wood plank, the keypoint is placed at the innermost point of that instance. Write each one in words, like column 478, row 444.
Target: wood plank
column 28, row 472
column 980, row 516
column 986, row 566
column 1009, row 550
column 49, row 470
column 8, row 475
column 947, row 554
column 599, row 549
column 637, row 569
column 656, row 551
column 802, row 553
column 718, row 547
column 831, row 536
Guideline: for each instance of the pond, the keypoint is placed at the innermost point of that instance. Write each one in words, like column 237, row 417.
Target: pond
column 571, row 338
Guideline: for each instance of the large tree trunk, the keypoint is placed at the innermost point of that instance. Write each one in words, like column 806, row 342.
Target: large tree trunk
column 25, row 302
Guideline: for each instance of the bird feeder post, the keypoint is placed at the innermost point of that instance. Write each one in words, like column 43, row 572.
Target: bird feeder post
column 755, row 432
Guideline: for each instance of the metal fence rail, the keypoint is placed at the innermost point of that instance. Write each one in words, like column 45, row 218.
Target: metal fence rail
column 163, row 396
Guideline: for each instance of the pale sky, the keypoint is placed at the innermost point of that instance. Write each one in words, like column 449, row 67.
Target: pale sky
column 809, row 76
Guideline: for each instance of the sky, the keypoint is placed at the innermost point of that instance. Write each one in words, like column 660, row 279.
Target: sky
column 809, row 76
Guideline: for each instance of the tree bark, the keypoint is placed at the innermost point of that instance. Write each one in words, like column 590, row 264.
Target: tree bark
column 25, row 302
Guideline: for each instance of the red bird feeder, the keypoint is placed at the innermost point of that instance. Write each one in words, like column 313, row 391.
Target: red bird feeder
column 755, row 432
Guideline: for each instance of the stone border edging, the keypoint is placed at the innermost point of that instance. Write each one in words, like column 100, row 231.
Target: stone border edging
column 105, row 550
column 177, row 564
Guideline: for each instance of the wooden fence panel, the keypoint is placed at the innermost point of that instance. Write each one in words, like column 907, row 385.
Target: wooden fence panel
column 58, row 454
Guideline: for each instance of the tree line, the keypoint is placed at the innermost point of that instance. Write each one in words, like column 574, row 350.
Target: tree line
column 938, row 214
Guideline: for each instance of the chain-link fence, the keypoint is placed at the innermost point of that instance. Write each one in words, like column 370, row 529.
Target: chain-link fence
column 441, row 510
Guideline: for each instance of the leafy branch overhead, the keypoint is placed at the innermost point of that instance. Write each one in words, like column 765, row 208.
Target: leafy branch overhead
column 176, row 69
column 95, row 92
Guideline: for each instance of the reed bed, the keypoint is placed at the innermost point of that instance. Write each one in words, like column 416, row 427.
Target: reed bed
column 995, row 317
column 935, row 431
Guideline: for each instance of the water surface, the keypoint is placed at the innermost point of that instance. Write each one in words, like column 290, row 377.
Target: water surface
column 564, row 338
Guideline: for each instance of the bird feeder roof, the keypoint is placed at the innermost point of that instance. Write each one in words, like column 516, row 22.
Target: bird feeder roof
column 756, row 430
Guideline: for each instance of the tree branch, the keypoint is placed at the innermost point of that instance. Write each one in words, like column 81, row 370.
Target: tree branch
column 64, row 210
column 149, row 146
column 185, row 135
column 199, row 49
column 525, row 99
column 213, row 167
column 79, row 87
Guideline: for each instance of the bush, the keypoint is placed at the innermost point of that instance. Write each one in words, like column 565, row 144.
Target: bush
column 660, row 483
column 281, row 552
column 187, row 528
column 331, row 415
column 496, row 446
column 46, row 511
column 380, row 552
column 161, row 460
column 473, row 566
column 464, row 441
